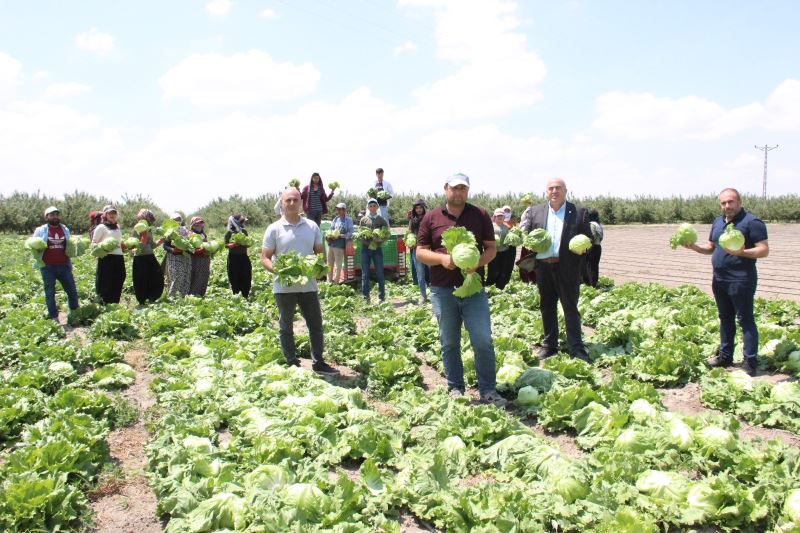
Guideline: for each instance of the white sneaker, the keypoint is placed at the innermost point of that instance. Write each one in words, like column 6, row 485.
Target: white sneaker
column 495, row 399
column 455, row 393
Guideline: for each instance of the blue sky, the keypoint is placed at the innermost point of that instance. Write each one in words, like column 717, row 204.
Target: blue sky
column 186, row 101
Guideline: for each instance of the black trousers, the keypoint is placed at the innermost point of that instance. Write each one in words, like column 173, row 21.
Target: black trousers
column 592, row 271
column 555, row 284
column 500, row 268
column 148, row 279
column 110, row 278
column 312, row 313
column 240, row 273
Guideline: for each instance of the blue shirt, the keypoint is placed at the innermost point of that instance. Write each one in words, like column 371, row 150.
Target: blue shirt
column 729, row 267
column 345, row 227
column 555, row 226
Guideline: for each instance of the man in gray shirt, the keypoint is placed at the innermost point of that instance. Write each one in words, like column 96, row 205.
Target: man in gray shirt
column 293, row 232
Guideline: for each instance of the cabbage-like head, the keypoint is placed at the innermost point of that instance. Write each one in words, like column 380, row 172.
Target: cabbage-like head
column 579, row 244
column 465, row 255
column 731, row 239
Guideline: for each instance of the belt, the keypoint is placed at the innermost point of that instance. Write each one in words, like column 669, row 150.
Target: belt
column 549, row 260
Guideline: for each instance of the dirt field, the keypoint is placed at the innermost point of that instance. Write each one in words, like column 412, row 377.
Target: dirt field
column 642, row 253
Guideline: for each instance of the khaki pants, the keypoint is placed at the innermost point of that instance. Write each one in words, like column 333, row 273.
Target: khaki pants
column 335, row 264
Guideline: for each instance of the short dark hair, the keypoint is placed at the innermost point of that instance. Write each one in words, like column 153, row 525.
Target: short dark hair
column 378, row 170
column 594, row 215
column 734, row 191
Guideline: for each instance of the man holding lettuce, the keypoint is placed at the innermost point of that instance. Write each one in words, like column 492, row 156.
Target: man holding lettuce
column 301, row 235
column 735, row 277
column 55, row 264
column 558, row 269
column 454, row 303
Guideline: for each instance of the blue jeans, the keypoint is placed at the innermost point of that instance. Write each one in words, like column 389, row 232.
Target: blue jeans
column 376, row 257
column 383, row 211
column 473, row 312
column 735, row 300
column 62, row 273
column 419, row 274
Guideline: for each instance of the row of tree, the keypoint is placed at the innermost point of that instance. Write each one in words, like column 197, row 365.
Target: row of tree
column 21, row 212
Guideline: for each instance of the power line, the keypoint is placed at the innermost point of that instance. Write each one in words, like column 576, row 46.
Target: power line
column 766, row 149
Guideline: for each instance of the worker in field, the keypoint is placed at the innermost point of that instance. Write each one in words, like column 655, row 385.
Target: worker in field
column 735, row 277
column 56, row 266
column 420, row 272
column 373, row 254
column 342, row 225
column 240, row 270
column 452, row 311
column 383, row 185
column 496, row 269
column 558, row 270
column 295, row 233
column 591, row 272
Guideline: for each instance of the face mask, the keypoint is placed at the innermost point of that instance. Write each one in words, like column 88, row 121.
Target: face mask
column 507, row 217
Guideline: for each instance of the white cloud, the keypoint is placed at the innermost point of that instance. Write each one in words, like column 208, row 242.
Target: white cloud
column 407, row 46
column 66, row 90
column 96, row 42
column 496, row 73
column 210, row 80
column 268, row 14
column 53, row 148
column 643, row 116
column 219, row 8
column 10, row 76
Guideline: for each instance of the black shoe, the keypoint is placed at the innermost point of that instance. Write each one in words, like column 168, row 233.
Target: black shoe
column 295, row 362
column 719, row 362
column 324, row 368
column 583, row 357
column 750, row 365
column 545, row 352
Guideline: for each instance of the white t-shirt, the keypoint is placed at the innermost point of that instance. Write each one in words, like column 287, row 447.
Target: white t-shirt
column 282, row 236
column 102, row 233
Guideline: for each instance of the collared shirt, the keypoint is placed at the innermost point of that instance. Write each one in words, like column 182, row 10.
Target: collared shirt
column 345, row 227
column 555, row 226
column 282, row 236
column 437, row 221
column 729, row 267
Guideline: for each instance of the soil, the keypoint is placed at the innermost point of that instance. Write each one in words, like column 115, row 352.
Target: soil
column 126, row 503
column 431, row 378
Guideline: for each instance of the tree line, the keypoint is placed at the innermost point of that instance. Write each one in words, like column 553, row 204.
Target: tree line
column 22, row 212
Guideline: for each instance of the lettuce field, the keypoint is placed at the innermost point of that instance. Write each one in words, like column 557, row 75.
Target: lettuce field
column 182, row 416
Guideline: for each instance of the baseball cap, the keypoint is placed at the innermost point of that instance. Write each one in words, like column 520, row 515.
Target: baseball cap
column 51, row 209
column 372, row 201
column 499, row 211
column 458, row 179
column 341, row 205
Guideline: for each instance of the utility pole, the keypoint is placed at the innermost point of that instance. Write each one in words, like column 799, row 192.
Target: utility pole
column 765, row 149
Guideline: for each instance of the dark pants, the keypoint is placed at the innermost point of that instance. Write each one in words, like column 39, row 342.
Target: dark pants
column 240, row 273
column 310, row 309
column 500, row 268
column 62, row 273
column 591, row 273
column 735, row 301
column 148, row 279
column 316, row 216
column 555, row 284
column 376, row 258
column 110, row 278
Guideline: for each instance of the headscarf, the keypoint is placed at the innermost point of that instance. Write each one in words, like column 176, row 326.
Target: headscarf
column 146, row 214
column 235, row 223
column 104, row 217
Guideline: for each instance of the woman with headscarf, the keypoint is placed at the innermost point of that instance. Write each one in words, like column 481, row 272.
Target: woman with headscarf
column 240, row 270
column 111, row 267
column 148, row 279
column 315, row 200
column 201, row 263
column 179, row 264
column 420, row 272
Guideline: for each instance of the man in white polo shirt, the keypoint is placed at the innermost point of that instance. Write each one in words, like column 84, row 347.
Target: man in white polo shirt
column 293, row 232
